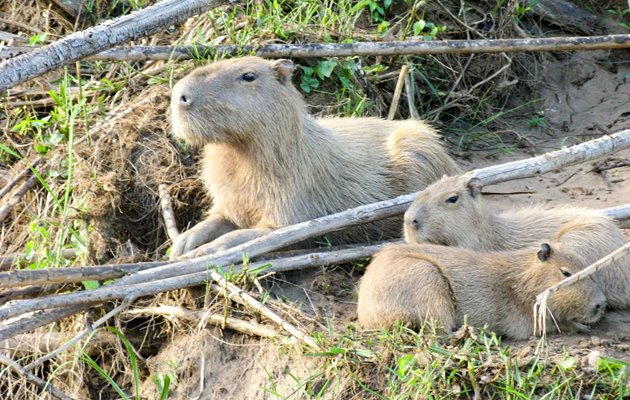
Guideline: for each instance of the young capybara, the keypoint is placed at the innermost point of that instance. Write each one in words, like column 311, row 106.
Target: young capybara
column 268, row 164
column 413, row 283
column 451, row 212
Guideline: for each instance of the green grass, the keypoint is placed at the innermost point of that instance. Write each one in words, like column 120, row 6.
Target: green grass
column 401, row 364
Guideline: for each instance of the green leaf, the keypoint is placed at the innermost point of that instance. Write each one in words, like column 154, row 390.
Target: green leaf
column 418, row 27
column 325, row 68
column 90, row 285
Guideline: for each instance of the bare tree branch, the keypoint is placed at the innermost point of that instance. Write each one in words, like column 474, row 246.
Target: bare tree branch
column 311, row 50
column 101, row 37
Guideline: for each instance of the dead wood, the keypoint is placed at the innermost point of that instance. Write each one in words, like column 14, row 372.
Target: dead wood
column 133, row 291
column 236, row 324
column 166, row 205
column 39, row 382
column 567, row 15
column 111, row 271
column 101, row 37
column 316, row 50
column 16, row 179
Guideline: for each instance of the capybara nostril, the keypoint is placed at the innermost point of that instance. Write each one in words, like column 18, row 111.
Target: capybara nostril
column 415, row 223
column 184, row 100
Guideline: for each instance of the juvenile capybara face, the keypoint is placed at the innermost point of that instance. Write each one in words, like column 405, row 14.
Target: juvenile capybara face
column 573, row 306
column 443, row 204
column 227, row 100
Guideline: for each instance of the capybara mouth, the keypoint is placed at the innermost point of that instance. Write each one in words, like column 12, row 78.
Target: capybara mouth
column 580, row 326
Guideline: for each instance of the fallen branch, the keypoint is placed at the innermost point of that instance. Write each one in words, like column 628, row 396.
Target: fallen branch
column 39, row 382
column 312, row 50
column 98, row 38
column 16, row 179
column 112, row 271
column 72, row 274
column 29, row 322
column 79, row 336
column 239, row 325
column 166, row 205
column 133, row 291
column 6, row 208
column 540, row 307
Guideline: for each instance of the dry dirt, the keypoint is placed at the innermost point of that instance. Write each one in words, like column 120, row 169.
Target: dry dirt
column 584, row 94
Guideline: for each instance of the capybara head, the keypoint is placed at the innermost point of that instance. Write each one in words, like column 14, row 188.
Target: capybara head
column 447, row 213
column 572, row 307
column 233, row 101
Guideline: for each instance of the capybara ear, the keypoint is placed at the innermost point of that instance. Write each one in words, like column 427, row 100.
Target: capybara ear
column 545, row 252
column 284, row 69
column 474, row 186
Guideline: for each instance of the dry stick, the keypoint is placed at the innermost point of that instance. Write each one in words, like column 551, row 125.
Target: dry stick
column 98, row 38
column 111, row 271
column 312, row 50
column 540, row 307
column 413, row 112
column 166, row 205
column 282, row 237
column 228, row 288
column 117, row 292
column 14, row 181
column 72, row 274
column 32, row 378
column 80, row 335
column 246, row 327
column 6, row 208
column 397, row 91
column 33, row 321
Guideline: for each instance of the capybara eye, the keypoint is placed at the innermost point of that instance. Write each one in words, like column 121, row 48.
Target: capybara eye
column 565, row 273
column 249, row 77
column 452, row 199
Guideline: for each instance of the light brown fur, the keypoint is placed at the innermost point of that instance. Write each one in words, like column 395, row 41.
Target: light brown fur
column 268, row 164
column 470, row 223
column 413, row 283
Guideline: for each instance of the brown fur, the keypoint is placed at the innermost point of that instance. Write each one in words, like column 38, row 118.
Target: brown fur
column 413, row 283
column 470, row 223
column 268, row 164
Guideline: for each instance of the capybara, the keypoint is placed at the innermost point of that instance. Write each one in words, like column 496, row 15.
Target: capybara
column 413, row 283
column 451, row 212
column 267, row 163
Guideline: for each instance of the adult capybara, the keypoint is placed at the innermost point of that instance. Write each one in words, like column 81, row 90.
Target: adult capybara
column 413, row 283
column 268, row 164
column 452, row 212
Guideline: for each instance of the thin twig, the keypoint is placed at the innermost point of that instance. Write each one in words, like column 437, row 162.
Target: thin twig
column 316, row 50
column 80, row 335
column 239, row 325
column 233, row 290
column 118, row 292
column 47, row 386
column 6, row 208
column 166, row 205
column 397, row 91
column 110, row 271
column 540, row 307
column 14, row 181
column 411, row 101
